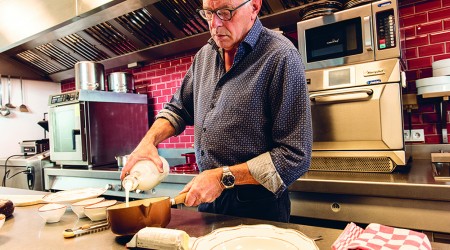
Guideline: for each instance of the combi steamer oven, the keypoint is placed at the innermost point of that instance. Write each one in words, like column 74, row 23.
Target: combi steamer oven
column 89, row 128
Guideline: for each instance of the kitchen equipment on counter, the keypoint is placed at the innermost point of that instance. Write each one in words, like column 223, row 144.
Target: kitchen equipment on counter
column 357, row 35
column 89, row 75
column 357, row 117
column 78, row 207
column 86, row 229
column 31, row 147
column 89, row 128
column 145, row 175
column 121, row 161
column 97, row 211
column 189, row 167
column 74, row 195
column 152, row 212
column 121, row 82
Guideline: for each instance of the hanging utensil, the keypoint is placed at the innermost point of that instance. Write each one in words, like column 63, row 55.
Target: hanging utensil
column 3, row 110
column 9, row 105
column 22, row 107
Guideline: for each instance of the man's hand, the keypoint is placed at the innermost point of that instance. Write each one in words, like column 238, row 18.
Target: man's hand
column 204, row 188
column 148, row 152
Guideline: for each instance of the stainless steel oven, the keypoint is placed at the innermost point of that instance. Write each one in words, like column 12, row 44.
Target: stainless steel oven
column 89, row 128
column 357, row 117
column 361, row 34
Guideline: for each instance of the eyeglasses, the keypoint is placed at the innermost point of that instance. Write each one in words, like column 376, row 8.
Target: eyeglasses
column 223, row 14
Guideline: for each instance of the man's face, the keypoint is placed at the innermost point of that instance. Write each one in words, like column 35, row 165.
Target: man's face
column 228, row 34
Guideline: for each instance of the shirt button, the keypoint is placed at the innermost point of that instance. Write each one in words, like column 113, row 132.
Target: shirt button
column 212, row 105
column 202, row 153
column 204, row 129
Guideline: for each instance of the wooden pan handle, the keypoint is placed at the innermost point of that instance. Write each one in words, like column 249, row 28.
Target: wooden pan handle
column 179, row 199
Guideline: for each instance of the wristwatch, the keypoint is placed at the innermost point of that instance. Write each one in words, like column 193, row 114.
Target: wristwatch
column 227, row 178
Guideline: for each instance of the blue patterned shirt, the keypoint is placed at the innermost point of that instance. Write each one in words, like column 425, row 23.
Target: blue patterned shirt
column 258, row 112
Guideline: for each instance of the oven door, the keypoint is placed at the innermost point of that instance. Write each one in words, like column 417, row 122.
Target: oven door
column 365, row 118
column 342, row 38
column 67, row 134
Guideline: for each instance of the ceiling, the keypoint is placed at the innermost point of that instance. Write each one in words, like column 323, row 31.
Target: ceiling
column 117, row 33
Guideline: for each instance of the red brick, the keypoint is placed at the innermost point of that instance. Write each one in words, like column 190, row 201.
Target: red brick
column 160, row 86
column 181, row 68
column 432, row 139
column 445, row 3
column 170, row 70
column 411, row 75
column 416, row 41
column 430, row 50
column 151, row 73
column 419, row 63
column 156, row 80
column 140, row 76
column 175, row 62
column 161, row 99
column 441, row 57
column 156, row 93
column 406, row 11
column 155, row 66
column 171, row 84
column 424, row 73
column 411, row 53
column 164, row 65
column 415, row 19
column 446, row 24
column 439, row 14
column 430, row 118
column 176, row 76
column 440, row 37
column 186, row 60
column 167, row 92
column 166, row 78
column 447, row 47
column 160, row 72
column 429, row 27
column 409, row 31
column 174, row 139
column 427, row 5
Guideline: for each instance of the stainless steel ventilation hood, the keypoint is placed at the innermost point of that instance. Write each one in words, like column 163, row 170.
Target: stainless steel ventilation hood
column 49, row 37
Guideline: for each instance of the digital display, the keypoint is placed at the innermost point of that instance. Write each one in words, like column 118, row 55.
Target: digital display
column 339, row 77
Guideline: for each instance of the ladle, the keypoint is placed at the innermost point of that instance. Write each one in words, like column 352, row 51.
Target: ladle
column 9, row 105
column 23, row 107
column 3, row 110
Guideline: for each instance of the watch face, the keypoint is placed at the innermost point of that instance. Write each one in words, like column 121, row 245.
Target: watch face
column 228, row 180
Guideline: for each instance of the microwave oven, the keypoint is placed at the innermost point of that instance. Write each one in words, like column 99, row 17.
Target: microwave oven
column 361, row 34
column 90, row 128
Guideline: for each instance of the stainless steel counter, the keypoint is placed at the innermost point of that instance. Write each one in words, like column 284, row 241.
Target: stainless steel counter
column 410, row 199
column 27, row 230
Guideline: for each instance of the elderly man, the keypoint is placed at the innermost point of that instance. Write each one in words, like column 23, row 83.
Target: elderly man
column 246, row 96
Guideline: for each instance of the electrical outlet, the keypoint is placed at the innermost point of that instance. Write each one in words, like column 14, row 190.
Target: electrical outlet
column 414, row 135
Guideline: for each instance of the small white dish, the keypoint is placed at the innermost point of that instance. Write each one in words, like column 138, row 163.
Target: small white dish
column 78, row 207
column 97, row 211
column 52, row 212
column 259, row 237
column 2, row 220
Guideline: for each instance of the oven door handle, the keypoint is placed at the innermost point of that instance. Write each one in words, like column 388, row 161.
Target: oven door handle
column 367, row 91
column 75, row 132
column 368, row 39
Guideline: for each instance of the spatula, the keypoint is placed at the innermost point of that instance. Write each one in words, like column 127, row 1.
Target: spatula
column 9, row 105
column 22, row 107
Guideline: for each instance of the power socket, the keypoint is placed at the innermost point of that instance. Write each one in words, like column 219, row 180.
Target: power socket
column 414, row 135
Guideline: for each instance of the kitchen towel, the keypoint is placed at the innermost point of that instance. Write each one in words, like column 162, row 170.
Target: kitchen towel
column 381, row 237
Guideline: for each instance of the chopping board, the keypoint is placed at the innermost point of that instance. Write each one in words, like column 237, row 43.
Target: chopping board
column 23, row 200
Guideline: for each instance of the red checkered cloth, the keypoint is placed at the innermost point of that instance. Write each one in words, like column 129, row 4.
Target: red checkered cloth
column 351, row 232
column 379, row 237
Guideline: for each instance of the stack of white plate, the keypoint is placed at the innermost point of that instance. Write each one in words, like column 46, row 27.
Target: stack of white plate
column 441, row 67
column 439, row 84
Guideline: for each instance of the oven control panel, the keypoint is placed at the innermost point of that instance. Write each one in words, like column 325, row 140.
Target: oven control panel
column 64, row 98
column 386, row 32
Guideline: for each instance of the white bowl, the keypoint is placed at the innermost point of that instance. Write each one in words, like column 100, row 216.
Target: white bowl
column 2, row 220
column 97, row 211
column 78, row 207
column 52, row 212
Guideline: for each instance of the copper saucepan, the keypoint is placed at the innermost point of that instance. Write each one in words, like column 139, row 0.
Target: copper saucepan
column 152, row 212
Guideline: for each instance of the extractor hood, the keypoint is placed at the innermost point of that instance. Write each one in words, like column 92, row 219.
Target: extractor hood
column 112, row 32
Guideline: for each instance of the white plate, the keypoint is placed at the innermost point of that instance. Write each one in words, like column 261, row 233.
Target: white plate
column 71, row 196
column 259, row 237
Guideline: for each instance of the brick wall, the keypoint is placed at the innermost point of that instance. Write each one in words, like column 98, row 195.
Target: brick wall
column 427, row 30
